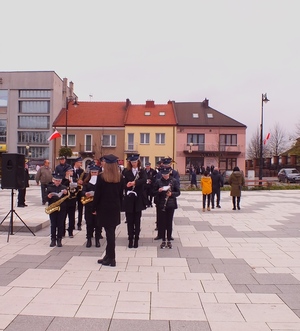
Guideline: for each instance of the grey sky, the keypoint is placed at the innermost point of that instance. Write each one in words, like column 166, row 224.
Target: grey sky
column 229, row 51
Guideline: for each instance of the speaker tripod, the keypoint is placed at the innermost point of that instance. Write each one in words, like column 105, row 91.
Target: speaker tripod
column 11, row 213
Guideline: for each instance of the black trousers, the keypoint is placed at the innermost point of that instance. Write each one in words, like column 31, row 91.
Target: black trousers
column 165, row 223
column 111, row 242
column 70, row 213
column 57, row 220
column 216, row 193
column 133, row 224
column 204, row 198
column 21, row 196
column 236, row 199
column 79, row 209
column 92, row 225
column 44, row 193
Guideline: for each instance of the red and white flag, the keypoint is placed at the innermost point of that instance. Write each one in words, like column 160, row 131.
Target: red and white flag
column 54, row 135
column 267, row 138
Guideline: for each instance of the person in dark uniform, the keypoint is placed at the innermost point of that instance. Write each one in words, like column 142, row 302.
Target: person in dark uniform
column 166, row 190
column 57, row 194
column 88, row 191
column 107, row 205
column 135, row 198
column 22, row 191
column 71, row 201
column 78, row 176
column 165, row 164
column 151, row 177
column 217, row 183
column 60, row 169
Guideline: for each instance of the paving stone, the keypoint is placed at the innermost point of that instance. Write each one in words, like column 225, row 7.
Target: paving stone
column 263, row 288
column 197, row 252
column 242, row 278
column 36, row 323
column 291, row 299
column 189, row 326
column 138, row 325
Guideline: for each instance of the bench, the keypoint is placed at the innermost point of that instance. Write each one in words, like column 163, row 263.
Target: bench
column 258, row 183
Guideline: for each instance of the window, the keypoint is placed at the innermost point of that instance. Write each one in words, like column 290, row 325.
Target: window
column 210, row 115
column 130, row 141
column 71, row 140
column 144, row 159
column 3, row 98
column 195, row 115
column 160, row 138
column 35, row 94
column 33, row 137
column 36, row 152
column 33, row 107
column 145, row 138
column 34, row 122
column 161, row 113
column 158, row 158
column 197, row 140
column 109, row 140
column 88, row 143
column 228, row 139
column 228, row 164
column 147, row 113
column 3, row 132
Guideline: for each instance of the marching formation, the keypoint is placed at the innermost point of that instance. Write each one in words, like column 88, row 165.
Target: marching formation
column 103, row 191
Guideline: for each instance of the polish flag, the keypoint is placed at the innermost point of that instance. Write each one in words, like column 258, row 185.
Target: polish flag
column 54, row 135
column 267, row 138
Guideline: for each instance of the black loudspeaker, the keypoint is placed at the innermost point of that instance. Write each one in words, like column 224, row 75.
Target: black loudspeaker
column 13, row 171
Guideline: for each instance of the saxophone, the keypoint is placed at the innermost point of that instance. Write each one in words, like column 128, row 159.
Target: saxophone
column 84, row 200
column 80, row 186
column 55, row 206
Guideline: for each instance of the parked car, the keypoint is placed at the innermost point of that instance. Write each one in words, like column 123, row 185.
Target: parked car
column 226, row 174
column 289, row 175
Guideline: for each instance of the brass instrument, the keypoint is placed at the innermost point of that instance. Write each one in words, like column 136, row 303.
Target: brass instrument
column 84, row 200
column 80, row 186
column 55, row 206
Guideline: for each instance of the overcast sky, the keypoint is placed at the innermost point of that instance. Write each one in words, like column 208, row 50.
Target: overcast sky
column 228, row 51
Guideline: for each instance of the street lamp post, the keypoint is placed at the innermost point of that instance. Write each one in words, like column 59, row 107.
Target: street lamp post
column 264, row 99
column 75, row 104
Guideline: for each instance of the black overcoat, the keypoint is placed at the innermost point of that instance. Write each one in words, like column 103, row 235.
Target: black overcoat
column 107, row 202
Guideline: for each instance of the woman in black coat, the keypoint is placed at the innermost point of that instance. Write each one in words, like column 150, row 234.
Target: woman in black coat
column 107, row 205
column 135, row 199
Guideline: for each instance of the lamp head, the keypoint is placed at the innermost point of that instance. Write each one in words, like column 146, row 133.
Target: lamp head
column 265, row 98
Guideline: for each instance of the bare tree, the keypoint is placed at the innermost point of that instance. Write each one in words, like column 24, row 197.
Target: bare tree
column 277, row 143
column 297, row 130
column 253, row 148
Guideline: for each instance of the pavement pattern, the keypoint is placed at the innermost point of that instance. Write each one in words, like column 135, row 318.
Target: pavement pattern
column 228, row 270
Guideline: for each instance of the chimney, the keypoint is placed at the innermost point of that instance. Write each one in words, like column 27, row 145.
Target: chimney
column 170, row 102
column 150, row 104
column 205, row 103
column 128, row 103
column 71, row 89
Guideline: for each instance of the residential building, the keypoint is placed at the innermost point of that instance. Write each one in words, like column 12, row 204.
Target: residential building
column 29, row 103
column 93, row 129
column 150, row 130
column 206, row 137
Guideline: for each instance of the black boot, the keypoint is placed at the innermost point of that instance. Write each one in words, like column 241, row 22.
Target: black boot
column 97, row 242
column 53, row 243
column 136, row 243
column 109, row 262
column 130, row 243
column 103, row 260
column 88, row 243
column 59, row 244
column 234, row 203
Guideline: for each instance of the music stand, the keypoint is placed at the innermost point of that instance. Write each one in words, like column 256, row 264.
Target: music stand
column 11, row 212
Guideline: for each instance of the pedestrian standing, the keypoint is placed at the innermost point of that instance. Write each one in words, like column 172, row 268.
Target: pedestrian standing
column 88, row 192
column 217, row 183
column 135, row 200
column 166, row 190
column 57, row 194
column 78, row 177
column 206, row 185
column 22, row 191
column 236, row 181
column 107, row 205
column 44, row 178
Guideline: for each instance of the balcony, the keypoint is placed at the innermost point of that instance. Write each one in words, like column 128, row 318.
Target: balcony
column 211, row 149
